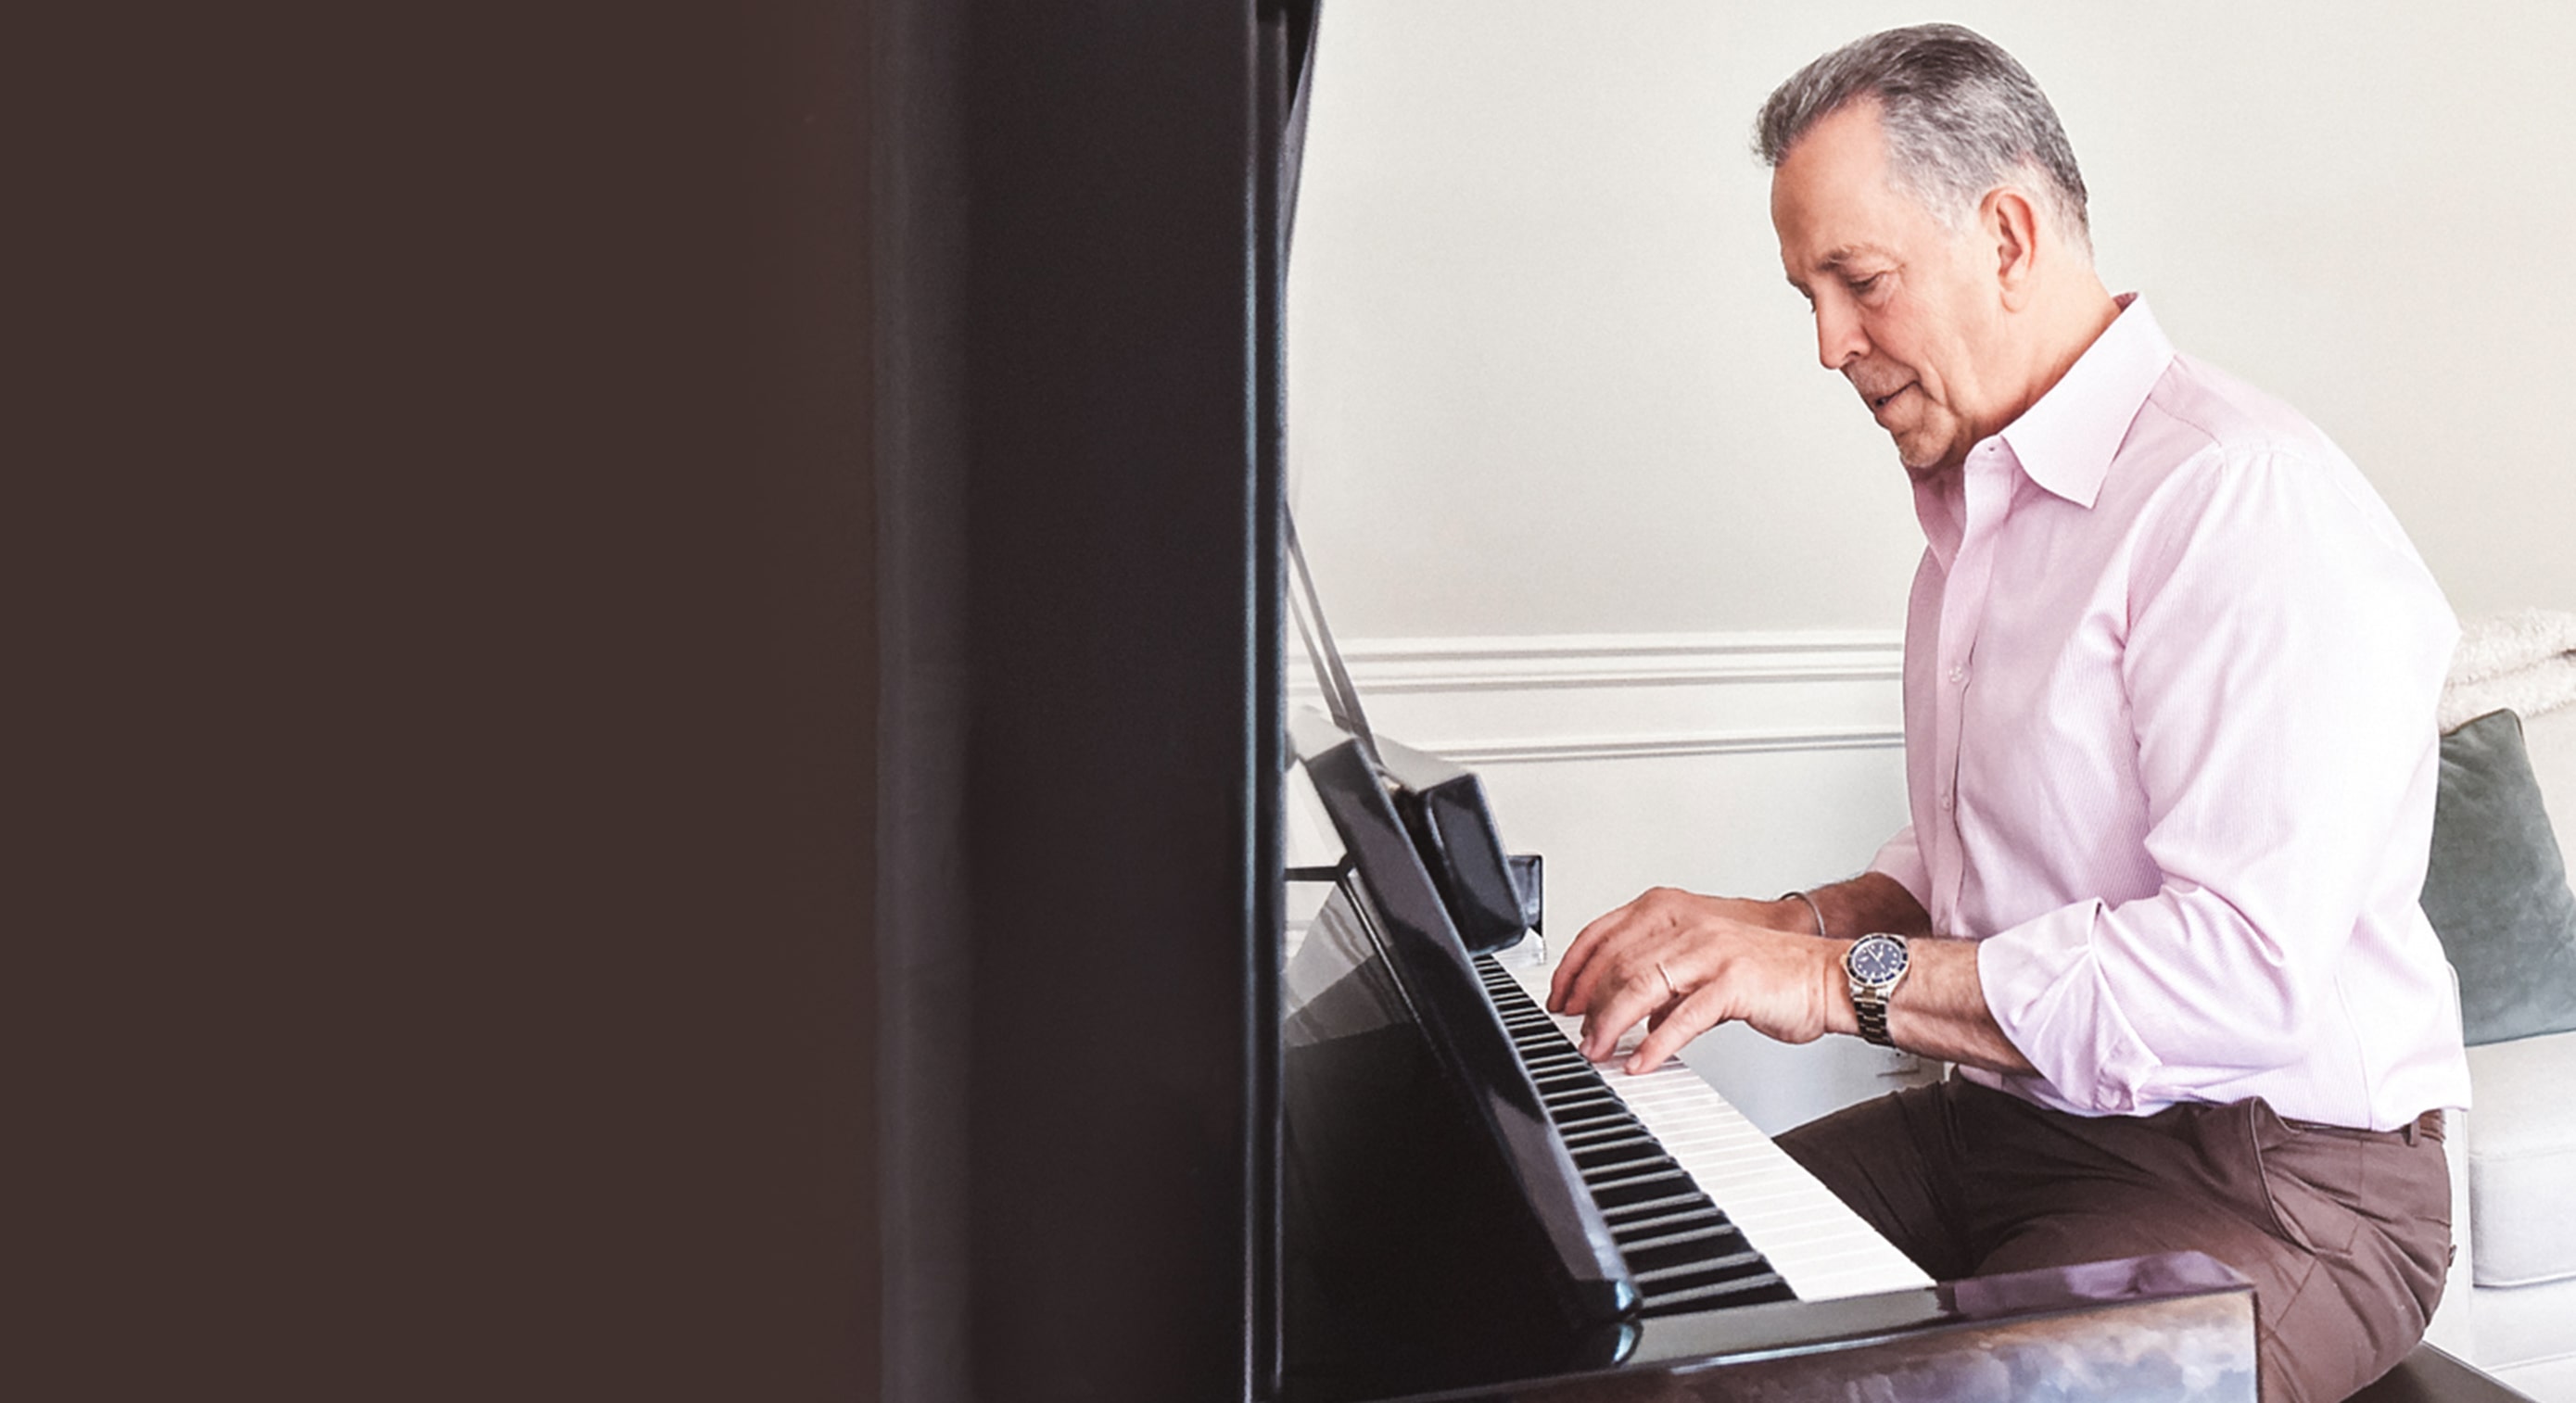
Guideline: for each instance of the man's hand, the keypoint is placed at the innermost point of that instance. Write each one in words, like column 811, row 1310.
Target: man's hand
column 1687, row 963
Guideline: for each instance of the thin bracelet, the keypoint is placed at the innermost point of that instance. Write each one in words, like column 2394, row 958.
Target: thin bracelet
column 1818, row 911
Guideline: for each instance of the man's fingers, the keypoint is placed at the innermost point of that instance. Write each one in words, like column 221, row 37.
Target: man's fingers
column 1568, row 989
column 1680, row 1023
column 1638, row 989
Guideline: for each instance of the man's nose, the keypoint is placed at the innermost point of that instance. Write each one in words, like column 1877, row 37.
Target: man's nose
column 1838, row 336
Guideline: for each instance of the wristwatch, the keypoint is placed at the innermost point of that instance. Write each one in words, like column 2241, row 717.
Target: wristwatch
column 1876, row 964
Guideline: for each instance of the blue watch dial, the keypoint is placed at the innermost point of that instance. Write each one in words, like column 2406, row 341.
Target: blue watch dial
column 1876, row 960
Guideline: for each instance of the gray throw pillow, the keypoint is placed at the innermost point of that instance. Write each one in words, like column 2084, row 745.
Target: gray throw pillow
column 2497, row 888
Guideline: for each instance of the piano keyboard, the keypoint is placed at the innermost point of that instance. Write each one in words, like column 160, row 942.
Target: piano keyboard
column 1661, row 1170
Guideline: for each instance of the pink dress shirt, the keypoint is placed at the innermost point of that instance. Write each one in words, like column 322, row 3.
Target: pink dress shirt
column 2170, row 670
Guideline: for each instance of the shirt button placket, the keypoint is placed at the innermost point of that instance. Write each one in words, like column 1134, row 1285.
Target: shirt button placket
column 1955, row 705
column 1985, row 486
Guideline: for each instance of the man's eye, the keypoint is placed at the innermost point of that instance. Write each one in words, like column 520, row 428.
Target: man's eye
column 1862, row 287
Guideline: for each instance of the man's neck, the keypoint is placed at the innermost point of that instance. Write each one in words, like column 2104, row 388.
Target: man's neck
column 2061, row 331
column 2088, row 314
column 2066, row 322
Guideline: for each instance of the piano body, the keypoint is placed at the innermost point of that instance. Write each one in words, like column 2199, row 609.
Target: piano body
column 1472, row 1210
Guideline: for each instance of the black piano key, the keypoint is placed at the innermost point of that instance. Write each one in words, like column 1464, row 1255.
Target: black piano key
column 1593, row 1161
column 1627, row 1212
column 1715, row 1291
column 1592, row 1093
column 1628, row 1188
column 1724, row 1291
column 1681, row 1245
column 1596, row 1101
column 1647, row 1220
column 1682, row 1250
column 1743, row 1265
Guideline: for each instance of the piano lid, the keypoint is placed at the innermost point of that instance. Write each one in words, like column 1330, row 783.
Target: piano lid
column 1297, row 21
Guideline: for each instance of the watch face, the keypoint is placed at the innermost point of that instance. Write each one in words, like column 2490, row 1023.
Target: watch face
column 1877, row 960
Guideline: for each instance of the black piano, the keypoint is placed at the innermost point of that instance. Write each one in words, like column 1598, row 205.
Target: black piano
column 1472, row 1210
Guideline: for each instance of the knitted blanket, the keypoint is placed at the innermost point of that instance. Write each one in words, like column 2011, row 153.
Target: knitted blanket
column 2524, row 661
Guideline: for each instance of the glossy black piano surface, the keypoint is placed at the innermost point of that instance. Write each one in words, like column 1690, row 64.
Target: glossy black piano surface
column 1468, row 1211
column 1412, row 1244
column 2174, row 1328
column 1431, row 1212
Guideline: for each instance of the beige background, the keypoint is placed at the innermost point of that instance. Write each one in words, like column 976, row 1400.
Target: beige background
column 1546, row 378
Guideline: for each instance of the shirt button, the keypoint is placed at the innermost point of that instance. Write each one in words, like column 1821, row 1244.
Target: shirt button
column 1958, row 672
column 1947, row 799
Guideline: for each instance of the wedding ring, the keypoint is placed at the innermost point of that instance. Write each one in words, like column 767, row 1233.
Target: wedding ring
column 1669, row 989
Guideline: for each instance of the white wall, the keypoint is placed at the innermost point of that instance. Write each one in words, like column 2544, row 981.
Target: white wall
column 1554, row 414
column 1545, row 376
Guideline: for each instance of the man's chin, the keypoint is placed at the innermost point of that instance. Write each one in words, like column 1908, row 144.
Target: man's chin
column 1922, row 466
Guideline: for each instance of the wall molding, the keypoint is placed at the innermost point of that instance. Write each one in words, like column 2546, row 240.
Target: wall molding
column 1481, row 663
column 1738, row 742
column 1574, row 697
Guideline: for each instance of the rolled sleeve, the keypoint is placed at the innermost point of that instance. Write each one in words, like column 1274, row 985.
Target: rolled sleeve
column 2283, row 651
column 2051, row 1003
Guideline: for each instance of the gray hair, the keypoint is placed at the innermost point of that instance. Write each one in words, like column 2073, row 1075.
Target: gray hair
column 1960, row 117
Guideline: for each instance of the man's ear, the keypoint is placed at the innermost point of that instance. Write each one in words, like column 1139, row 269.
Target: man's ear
column 2011, row 222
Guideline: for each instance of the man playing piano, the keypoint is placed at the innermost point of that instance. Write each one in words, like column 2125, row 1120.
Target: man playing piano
column 2170, row 673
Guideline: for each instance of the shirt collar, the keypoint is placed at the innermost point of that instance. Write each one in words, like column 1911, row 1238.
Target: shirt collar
column 2066, row 440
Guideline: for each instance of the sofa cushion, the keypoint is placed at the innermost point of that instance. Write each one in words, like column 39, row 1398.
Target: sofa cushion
column 2550, row 738
column 2496, row 890
column 2527, row 1324
column 2522, row 1162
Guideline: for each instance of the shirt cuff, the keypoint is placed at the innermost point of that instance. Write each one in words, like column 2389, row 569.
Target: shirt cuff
column 2045, row 991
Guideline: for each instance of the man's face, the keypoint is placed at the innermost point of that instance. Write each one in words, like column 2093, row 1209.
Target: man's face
column 1903, row 308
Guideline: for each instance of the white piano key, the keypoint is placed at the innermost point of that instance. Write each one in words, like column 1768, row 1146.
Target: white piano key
column 1816, row 1243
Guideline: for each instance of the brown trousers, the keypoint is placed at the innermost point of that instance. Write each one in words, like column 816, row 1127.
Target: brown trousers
column 2344, row 1233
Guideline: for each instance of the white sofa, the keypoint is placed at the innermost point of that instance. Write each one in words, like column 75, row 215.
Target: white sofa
column 2510, row 1306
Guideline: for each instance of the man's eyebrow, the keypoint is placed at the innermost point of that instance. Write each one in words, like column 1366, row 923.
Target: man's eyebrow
column 1836, row 258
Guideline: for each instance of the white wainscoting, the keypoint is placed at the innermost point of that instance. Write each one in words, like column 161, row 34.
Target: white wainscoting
column 1742, row 763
